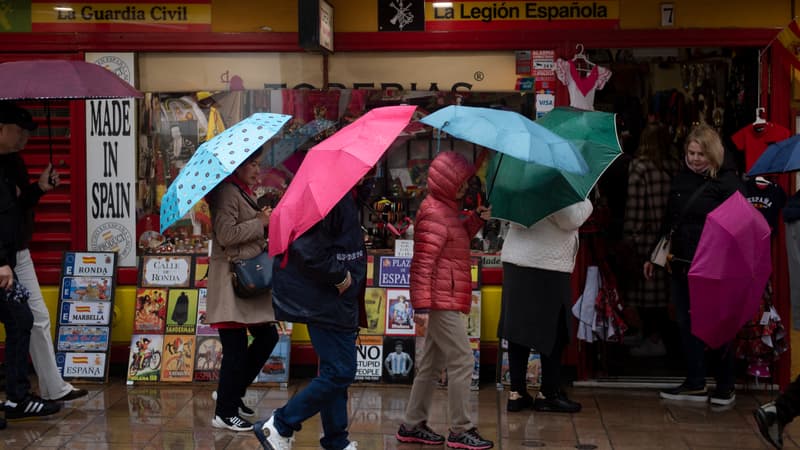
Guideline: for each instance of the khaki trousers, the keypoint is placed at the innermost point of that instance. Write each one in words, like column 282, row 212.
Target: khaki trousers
column 446, row 346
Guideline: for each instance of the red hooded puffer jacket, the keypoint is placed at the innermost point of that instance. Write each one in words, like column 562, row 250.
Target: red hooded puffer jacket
column 440, row 269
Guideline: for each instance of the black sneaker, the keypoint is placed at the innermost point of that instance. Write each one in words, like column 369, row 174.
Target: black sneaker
column 233, row 423
column 31, row 406
column 72, row 395
column 469, row 440
column 685, row 393
column 518, row 401
column 419, row 434
column 245, row 410
column 556, row 402
column 723, row 397
column 768, row 424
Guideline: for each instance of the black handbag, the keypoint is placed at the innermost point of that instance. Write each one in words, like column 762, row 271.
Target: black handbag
column 252, row 277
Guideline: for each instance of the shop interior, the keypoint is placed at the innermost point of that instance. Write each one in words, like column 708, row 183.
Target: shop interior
column 673, row 88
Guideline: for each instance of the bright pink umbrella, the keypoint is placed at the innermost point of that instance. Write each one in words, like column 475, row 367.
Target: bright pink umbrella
column 729, row 271
column 331, row 169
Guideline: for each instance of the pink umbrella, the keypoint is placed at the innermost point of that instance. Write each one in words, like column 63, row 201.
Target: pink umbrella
column 729, row 271
column 331, row 169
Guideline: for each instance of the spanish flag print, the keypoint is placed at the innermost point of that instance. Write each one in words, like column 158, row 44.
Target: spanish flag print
column 789, row 40
column 80, row 360
column 89, row 260
column 83, row 309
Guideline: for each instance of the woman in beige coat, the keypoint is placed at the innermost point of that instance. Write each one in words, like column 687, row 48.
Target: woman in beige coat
column 239, row 233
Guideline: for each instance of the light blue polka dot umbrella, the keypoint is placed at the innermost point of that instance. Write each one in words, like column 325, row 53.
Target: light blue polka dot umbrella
column 214, row 160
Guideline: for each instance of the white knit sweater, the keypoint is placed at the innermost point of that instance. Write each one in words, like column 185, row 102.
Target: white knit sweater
column 551, row 243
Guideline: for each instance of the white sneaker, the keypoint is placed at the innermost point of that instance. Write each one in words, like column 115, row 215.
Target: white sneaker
column 353, row 445
column 649, row 347
column 269, row 437
column 244, row 410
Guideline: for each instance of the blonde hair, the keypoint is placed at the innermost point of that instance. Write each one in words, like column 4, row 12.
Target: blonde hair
column 710, row 143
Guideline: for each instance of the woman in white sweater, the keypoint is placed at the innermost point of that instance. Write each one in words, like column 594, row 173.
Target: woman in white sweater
column 537, row 266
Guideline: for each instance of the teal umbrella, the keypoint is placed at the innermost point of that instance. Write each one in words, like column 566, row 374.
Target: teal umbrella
column 528, row 192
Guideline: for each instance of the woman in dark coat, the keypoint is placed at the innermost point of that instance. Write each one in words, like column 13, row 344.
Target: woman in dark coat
column 686, row 215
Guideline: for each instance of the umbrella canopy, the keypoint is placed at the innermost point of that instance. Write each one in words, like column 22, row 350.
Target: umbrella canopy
column 331, row 169
column 780, row 157
column 729, row 271
column 291, row 141
column 510, row 133
column 527, row 192
column 60, row 79
column 214, row 160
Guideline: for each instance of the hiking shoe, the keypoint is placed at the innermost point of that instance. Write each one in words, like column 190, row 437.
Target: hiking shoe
column 244, row 410
column 31, row 406
column 685, row 393
column 269, row 437
column 469, row 440
column 768, row 424
column 556, row 402
column 723, row 397
column 518, row 401
column 419, row 434
column 233, row 423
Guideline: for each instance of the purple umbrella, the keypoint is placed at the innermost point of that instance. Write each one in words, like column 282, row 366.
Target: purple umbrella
column 58, row 79
column 729, row 271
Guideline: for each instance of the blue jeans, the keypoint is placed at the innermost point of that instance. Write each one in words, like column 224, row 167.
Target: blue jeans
column 327, row 393
column 694, row 348
column 18, row 321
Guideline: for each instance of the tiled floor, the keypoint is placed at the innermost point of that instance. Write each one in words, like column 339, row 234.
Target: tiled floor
column 115, row 416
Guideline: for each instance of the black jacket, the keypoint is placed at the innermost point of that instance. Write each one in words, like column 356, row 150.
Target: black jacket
column 689, row 227
column 29, row 195
column 303, row 282
column 11, row 213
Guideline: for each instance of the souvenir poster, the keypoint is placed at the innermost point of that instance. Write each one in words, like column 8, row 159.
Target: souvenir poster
column 369, row 358
column 82, row 366
column 370, row 270
column 475, row 345
column 276, row 369
column 181, row 311
column 394, row 272
column 179, row 142
column 375, row 303
column 178, row 362
column 85, row 313
column 144, row 363
column 82, row 338
column 86, row 288
column 398, row 359
column 165, row 271
column 534, row 375
column 92, row 264
column 151, row 311
column 399, row 313
column 475, row 271
column 203, row 329
column 208, row 358
column 201, row 271
column 473, row 319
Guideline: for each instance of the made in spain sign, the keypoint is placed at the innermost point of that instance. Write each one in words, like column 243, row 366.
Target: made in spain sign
column 121, row 16
column 521, row 15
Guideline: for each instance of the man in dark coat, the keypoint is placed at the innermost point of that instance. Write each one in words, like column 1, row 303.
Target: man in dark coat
column 320, row 282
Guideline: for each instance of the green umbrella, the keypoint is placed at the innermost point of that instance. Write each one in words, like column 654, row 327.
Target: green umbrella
column 528, row 192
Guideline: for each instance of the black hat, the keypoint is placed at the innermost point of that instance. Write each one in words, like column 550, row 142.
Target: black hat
column 11, row 113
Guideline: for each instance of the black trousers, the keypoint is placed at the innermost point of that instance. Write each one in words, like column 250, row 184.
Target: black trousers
column 551, row 364
column 241, row 363
column 788, row 403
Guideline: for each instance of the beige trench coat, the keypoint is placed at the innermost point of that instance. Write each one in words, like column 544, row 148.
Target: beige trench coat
column 237, row 234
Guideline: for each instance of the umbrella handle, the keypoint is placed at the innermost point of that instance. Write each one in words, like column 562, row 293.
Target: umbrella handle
column 489, row 187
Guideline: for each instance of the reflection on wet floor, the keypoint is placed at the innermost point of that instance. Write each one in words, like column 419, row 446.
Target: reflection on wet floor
column 116, row 416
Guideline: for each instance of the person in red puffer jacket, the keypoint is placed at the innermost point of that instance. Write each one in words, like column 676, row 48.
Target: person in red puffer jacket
column 441, row 289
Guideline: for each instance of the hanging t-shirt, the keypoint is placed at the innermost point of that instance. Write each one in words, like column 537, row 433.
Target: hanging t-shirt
column 581, row 88
column 754, row 142
column 768, row 198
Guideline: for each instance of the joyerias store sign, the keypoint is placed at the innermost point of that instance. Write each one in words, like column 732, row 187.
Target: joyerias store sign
column 116, row 16
column 521, row 15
